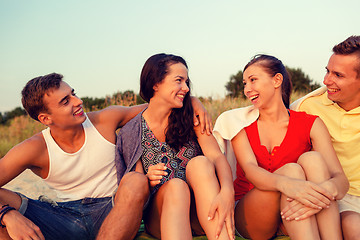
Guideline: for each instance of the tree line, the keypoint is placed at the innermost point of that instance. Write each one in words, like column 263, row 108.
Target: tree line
column 127, row 98
column 301, row 83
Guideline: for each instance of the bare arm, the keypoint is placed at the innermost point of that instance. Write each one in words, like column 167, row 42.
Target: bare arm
column 29, row 154
column 338, row 184
column 109, row 119
column 201, row 116
column 306, row 192
column 115, row 116
column 224, row 202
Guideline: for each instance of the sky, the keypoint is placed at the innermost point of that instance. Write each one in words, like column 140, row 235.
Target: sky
column 101, row 46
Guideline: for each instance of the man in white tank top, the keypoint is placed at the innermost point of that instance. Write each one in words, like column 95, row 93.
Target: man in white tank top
column 75, row 156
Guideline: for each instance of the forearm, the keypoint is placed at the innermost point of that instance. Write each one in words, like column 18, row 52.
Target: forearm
column 338, row 186
column 132, row 112
column 224, row 174
column 264, row 180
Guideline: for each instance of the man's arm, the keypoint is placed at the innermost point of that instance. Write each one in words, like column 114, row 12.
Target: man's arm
column 109, row 119
column 29, row 154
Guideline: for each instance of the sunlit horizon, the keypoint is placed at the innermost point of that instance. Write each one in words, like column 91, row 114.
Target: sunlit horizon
column 100, row 47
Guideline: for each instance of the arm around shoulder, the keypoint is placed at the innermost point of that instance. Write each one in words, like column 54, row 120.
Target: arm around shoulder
column 115, row 116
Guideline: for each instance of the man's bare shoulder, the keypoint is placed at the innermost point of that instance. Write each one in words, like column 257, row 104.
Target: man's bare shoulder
column 29, row 154
column 30, row 151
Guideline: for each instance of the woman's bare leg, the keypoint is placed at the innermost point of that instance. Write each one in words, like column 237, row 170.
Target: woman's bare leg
column 302, row 229
column 257, row 214
column 168, row 214
column 200, row 174
column 328, row 219
column 350, row 222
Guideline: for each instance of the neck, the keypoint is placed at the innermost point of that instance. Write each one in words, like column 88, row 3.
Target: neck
column 274, row 114
column 157, row 113
column 349, row 106
column 70, row 140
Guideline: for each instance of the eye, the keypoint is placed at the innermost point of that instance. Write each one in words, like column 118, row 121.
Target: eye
column 178, row 80
column 244, row 83
column 339, row 75
column 252, row 79
column 66, row 101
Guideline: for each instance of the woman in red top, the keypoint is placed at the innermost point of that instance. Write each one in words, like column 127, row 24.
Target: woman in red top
column 280, row 179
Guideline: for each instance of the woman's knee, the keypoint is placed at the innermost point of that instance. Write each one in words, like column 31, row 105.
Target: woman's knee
column 293, row 170
column 176, row 190
column 314, row 166
column 201, row 166
column 312, row 160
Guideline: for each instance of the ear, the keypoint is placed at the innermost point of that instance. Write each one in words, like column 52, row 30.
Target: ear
column 277, row 80
column 155, row 87
column 45, row 118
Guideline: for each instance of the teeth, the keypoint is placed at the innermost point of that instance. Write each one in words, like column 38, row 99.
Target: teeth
column 78, row 111
column 254, row 97
column 333, row 90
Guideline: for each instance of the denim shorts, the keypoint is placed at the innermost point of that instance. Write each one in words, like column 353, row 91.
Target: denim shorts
column 79, row 219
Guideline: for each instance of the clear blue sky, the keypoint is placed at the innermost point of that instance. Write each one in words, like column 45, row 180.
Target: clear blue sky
column 100, row 46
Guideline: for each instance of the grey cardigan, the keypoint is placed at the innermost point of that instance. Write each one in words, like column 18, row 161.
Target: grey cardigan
column 128, row 146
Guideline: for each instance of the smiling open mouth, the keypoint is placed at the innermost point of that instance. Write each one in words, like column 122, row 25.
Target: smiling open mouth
column 252, row 98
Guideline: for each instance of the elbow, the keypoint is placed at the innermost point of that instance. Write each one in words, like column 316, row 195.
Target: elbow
column 345, row 188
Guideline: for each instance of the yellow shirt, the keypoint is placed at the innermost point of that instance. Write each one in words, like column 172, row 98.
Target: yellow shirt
column 344, row 128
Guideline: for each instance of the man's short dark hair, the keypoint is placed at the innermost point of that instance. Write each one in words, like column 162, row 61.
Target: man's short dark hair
column 350, row 46
column 34, row 91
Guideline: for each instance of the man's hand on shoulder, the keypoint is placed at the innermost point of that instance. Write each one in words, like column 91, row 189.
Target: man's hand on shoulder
column 201, row 116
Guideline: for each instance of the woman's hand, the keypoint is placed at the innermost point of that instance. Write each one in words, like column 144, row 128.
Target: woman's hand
column 308, row 193
column 297, row 211
column 156, row 173
column 224, row 204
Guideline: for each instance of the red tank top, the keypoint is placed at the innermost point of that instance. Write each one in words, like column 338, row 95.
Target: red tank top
column 296, row 142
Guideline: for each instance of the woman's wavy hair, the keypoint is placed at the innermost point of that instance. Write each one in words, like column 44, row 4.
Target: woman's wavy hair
column 180, row 128
column 272, row 66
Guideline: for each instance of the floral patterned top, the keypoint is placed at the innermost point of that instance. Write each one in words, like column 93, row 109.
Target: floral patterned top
column 156, row 152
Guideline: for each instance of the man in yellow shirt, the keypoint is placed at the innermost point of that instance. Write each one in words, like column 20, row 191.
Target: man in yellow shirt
column 338, row 105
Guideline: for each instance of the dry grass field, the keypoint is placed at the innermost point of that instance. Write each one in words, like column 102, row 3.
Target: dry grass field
column 24, row 127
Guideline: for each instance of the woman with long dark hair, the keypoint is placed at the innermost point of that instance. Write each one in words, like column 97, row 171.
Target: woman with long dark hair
column 189, row 177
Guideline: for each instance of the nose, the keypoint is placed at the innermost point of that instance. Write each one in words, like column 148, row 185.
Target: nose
column 185, row 87
column 327, row 79
column 247, row 89
column 77, row 101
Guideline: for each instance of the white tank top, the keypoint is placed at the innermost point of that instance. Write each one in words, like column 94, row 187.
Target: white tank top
column 87, row 173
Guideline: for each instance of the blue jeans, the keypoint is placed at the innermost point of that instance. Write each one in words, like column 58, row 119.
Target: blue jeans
column 79, row 219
